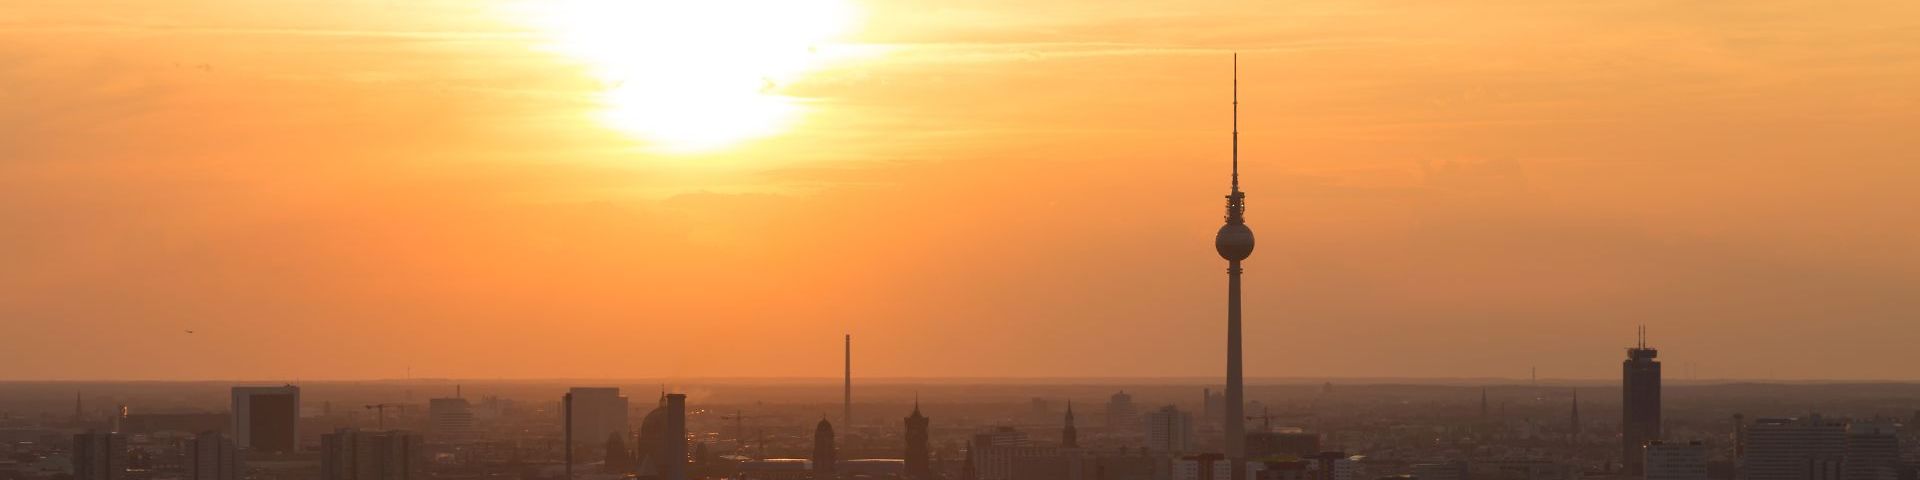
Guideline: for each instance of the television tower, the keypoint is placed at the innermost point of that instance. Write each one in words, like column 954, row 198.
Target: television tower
column 1234, row 242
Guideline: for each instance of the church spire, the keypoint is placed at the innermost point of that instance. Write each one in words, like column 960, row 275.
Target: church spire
column 1069, row 436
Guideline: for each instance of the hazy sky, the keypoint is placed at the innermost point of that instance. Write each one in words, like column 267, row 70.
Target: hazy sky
column 346, row 189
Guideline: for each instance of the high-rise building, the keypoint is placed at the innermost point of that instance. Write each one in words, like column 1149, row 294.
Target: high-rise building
column 1234, row 242
column 823, row 453
column 1810, row 448
column 214, row 457
column 1675, row 461
column 352, row 454
column 1483, row 403
column 1213, row 405
column 1573, row 431
column 1640, row 405
column 1069, row 436
column 99, row 456
column 1169, row 431
column 266, row 419
column 1873, row 452
column 597, row 412
column 451, row 420
column 1121, row 415
column 917, row 466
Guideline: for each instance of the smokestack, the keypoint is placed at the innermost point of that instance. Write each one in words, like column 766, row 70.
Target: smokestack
column 566, row 407
column 847, row 399
column 676, row 461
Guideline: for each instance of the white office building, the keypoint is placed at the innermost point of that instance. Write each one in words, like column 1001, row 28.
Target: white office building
column 1169, row 430
column 451, row 420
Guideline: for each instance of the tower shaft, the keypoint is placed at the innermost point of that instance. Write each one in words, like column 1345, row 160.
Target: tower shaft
column 1236, row 426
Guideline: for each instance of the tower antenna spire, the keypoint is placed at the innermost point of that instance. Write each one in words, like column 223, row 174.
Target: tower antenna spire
column 1234, row 242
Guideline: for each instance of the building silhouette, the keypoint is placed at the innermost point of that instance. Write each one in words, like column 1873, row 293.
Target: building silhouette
column 597, row 412
column 353, row 454
column 651, row 449
column 1069, row 436
column 917, row 466
column 266, row 419
column 1808, row 448
column 1873, row 452
column 1169, row 431
column 1234, row 242
column 617, row 459
column 1573, row 432
column 1640, row 403
column 99, row 456
column 1675, row 461
column 450, row 420
column 661, row 450
column 1212, row 406
column 1121, row 415
column 213, row 456
column 823, row 453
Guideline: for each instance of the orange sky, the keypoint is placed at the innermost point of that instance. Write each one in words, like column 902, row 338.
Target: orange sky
column 344, row 189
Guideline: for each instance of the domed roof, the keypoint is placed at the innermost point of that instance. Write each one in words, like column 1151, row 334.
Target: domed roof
column 1234, row 241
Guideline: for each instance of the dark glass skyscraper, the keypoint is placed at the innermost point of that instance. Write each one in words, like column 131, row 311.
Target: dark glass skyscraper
column 917, row 467
column 265, row 419
column 1640, row 403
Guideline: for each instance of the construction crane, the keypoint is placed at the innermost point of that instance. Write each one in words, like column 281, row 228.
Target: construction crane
column 380, row 410
column 1266, row 420
column 739, row 431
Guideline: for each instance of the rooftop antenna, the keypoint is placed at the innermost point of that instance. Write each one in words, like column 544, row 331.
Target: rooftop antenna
column 846, row 392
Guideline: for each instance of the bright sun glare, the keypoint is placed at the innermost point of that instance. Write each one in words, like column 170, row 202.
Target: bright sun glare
column 693, row 75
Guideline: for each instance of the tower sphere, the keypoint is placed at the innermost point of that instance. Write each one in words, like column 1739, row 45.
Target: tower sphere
column 1234, row 242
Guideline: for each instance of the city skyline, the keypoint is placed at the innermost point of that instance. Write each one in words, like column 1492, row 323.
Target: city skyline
column 613, row 240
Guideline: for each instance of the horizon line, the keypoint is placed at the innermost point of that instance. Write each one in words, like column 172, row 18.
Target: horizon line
column 1084, row 380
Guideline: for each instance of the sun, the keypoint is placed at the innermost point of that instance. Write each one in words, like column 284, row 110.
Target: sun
column 696, row 75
